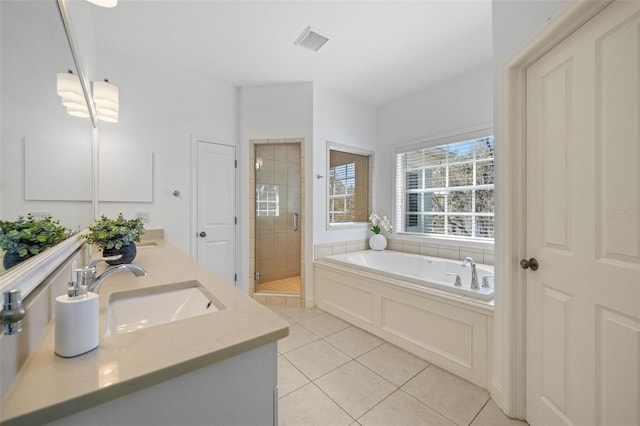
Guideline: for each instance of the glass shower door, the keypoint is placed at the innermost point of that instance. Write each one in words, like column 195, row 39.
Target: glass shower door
column 277, row 216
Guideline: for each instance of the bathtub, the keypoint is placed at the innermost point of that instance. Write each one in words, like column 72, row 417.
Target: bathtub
column 423, row 271
column 410, row 301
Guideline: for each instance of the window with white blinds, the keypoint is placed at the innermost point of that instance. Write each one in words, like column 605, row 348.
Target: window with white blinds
column 348, row 191
column 447, row 190
column 342, row 180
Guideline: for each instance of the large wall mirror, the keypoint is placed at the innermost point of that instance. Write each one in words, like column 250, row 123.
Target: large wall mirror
column 349, row 186
column 39, row 141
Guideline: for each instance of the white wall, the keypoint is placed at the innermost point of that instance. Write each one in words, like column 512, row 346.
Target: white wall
column 514, row 22
column 449, row 108
column 34, row 48
column 160, row 108
column 341, row 120
column 273, row 112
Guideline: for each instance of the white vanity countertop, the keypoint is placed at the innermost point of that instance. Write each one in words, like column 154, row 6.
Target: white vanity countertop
column 48, row 387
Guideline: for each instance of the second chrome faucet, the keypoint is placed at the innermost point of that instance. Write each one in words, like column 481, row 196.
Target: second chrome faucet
column 468, row 261
column 94, row 282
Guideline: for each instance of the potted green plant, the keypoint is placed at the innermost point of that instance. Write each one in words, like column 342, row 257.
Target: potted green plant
column 27, row 237
column 116, row 236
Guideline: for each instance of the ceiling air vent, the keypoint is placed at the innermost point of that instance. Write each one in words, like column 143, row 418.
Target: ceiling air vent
column 311, row 39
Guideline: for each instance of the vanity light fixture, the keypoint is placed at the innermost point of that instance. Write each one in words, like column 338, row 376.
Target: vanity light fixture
column 69, row 89
column 107, row 99
column 104, row 3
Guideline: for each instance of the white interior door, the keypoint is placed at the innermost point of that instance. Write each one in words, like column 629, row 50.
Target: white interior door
column 583, row 180
column 216, row 229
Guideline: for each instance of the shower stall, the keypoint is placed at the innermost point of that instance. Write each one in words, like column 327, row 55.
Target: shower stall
column 277, row 218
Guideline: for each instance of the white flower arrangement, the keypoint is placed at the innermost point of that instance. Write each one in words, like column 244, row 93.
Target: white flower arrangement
column 378, row 223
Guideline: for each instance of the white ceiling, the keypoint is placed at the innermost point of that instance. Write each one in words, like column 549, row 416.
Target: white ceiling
column 379, row 51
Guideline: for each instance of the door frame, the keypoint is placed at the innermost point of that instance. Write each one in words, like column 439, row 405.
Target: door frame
column 510, row 391
column 193, row 193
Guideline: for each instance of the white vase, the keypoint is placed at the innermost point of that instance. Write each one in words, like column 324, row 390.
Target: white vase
column 377, row 242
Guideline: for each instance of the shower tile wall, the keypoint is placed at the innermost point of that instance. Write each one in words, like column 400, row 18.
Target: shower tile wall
column 277, row 243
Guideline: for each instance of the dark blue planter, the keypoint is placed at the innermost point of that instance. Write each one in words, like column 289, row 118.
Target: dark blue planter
column 11, row 259
column 128, row 254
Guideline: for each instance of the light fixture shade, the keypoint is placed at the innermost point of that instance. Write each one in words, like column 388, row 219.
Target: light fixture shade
column 69, row 88
column 78, row 111
column 107, row 99
column 104, row 3
column 107, row 115
column 106, row 95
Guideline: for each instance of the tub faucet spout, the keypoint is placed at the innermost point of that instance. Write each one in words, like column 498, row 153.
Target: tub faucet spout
column 474, row 275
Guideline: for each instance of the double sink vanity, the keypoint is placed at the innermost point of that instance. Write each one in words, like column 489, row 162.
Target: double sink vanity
column 178, row 346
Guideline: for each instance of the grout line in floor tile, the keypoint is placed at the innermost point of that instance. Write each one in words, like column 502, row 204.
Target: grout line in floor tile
column 300, row 387
column 424, row 403
column 334, row 401
column 378, row 374
column 380, row 402
column 479, row 411
column 413, row 377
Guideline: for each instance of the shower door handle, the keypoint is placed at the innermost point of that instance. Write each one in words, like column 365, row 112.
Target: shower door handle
column 295, row 221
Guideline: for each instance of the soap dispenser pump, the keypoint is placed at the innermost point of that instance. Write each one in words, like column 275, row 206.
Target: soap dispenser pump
column 76, row 321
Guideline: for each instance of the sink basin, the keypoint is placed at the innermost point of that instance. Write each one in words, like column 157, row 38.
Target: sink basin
column 133, row 310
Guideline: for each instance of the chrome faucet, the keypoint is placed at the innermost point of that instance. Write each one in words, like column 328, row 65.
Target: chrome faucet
column 88, row 276
column 474, row 275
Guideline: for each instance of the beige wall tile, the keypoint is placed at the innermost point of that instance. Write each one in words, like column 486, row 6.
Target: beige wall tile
column 260, row 298
column 339, row 248
column 323, row 250
column 449, row 253
column 428, row 250
column 411, row 247
column 352, row 246
column 395, row 245
column 276, row 300
column 476, row 255
column 294, row 302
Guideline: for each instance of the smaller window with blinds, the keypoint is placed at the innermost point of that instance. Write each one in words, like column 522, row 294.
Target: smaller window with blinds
column 348, row 186
column 447, row 190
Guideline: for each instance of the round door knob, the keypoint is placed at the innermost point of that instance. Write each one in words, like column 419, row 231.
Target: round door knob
column 529, row 264
column 203, row 234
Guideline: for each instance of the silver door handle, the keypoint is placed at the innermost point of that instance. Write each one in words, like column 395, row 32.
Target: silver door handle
column 295, row 221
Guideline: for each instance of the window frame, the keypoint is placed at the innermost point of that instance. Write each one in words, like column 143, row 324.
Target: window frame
column 332, row 146
column 398, row 188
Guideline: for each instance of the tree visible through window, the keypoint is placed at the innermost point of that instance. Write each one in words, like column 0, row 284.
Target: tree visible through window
column 447, row 190
column 348, row 187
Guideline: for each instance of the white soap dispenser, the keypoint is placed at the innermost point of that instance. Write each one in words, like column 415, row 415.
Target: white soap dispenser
column 76, row 321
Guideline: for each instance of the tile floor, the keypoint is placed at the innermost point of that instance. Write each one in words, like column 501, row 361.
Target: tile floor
column 331, row 373
column 289, row 285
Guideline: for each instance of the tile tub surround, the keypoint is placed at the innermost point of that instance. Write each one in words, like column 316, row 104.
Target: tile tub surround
column 448, row 251
column 355, row 378
column 42, row 390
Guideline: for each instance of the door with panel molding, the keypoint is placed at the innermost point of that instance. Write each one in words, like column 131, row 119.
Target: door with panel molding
column 216, row 217
column 583, row 225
